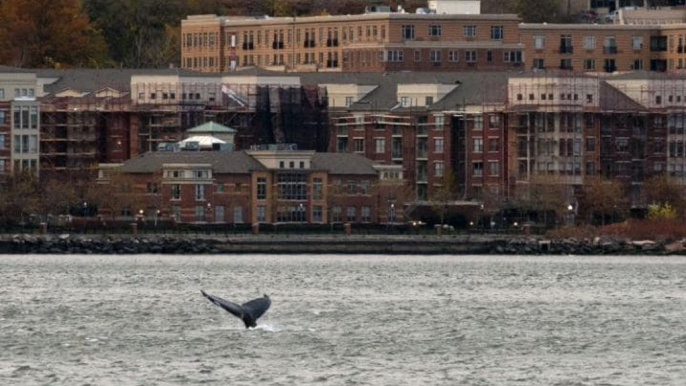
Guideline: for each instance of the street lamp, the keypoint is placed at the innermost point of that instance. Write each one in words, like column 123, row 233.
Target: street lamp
column 392, row 216
column 85, row 208
column 157, row 215
column 207, row 216
column 301, row 213
column 570, row 214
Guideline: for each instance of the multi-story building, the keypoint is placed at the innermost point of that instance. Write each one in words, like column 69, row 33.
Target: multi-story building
column 398, row 41
column 371, row 42
column 19, row 122
column 268, row 184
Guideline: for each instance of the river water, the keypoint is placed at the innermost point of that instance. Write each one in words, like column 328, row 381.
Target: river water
column 343, row 320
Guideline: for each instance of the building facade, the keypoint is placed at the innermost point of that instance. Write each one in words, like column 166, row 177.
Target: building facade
column 374, row 41
column 19, row 122
column 269, row 184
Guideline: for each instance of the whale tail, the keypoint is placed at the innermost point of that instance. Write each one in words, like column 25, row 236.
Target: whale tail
column 248, row 312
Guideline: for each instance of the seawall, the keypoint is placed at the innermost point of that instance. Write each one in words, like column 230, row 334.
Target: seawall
column 328, row 244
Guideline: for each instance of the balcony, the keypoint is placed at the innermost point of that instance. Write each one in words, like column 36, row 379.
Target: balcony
column 565, row 49
column 609, row 49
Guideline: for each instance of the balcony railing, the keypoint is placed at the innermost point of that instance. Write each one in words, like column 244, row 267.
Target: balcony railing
column 564, row 49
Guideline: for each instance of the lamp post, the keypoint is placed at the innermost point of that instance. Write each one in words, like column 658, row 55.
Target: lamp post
column 301, row 213
column 157, row 215
column 85, row 208
column 207, row 216
column 570, row 214
column 481, row 216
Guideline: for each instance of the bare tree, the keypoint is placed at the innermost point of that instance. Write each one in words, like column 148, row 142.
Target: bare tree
column 20, row 197
column 603, row 197
column 443, row 195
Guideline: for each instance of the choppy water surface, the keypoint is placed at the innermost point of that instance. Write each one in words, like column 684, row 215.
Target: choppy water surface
column 343, row 320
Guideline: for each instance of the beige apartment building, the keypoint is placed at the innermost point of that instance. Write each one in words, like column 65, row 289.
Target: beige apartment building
column 381, row 40
column 370, row 42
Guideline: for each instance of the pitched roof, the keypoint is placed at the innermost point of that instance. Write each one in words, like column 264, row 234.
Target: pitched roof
column 211, row 127
column 237, row 162
column 343, row 163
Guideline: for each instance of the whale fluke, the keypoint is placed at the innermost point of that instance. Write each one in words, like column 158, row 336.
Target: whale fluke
column 248, row 312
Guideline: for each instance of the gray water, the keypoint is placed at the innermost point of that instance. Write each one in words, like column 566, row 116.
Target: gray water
column 343, row 320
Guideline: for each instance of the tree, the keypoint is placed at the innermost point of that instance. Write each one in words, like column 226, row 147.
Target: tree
column 49, row 33
column 543, row 195
column 537, row 11
column 603, row 197
column 19, row 197
column 661, row 190
column 443, row 195
column 57, row 197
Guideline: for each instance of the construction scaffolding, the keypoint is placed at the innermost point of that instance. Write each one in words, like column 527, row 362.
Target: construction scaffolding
column 80, row 131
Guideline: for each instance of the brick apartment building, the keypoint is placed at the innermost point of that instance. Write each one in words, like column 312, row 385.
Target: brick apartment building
column 269, row 184
column 398, row 41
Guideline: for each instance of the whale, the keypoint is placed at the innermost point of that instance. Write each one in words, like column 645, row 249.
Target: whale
column 248, row 312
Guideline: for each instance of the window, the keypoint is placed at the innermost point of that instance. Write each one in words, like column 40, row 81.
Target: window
column 438, row 145
column 477, row 169
column 428, row 101
column 352, row 187
column 366, row 213
column 358, row 145
column 477, row 145
column 469, row 30
column 380, row 145
column 539, row 42
column 493, row 168
column 317, row 189
column 2, row 142
column 261, row 213
column 636, row 43
column 199, row 213
column 453, row 56
column 439, row 121
column 350, row 214
column 435, row 56
column 439, row 169
column 336, row 214
column 494, row 145
column 589, row 64
column 220, row 187
column 435, row 30
column 261, row 188
column 478, row 122
column 589, row 42
column 2, row 93
column 2, row 117
column 176, row 192
column 394, row 56
column 638, row 64
column 497, row 32
column 539, row 64
column 317, row 214
column 470, row 56
column 407, row 32
column 153, row 188
column 237, row 214
column 199, row 192
column 512, row 56
column 417, row 55
column 348, row 101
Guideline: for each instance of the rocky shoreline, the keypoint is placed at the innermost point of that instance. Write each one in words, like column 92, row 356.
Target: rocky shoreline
column 330, row 244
